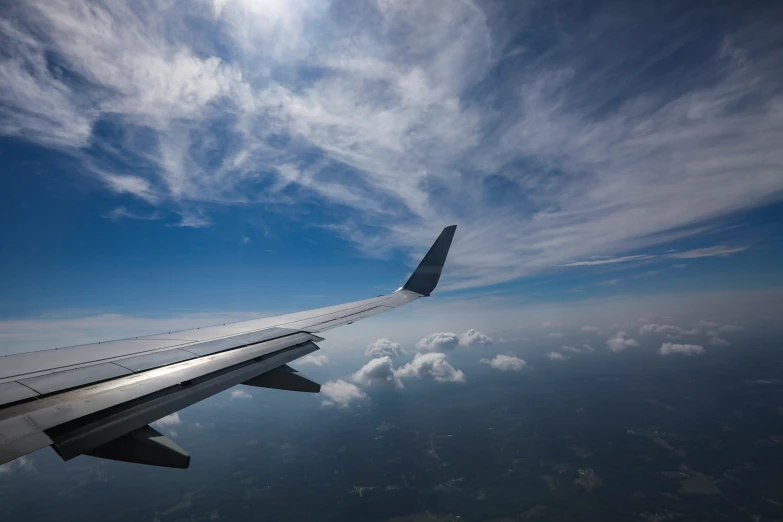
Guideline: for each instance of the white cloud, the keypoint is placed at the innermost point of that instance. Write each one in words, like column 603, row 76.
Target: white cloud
column 474, row 338
column 382, row 347
column 445, row 341
column 609, row 261
column 341, row 394
column 240, row 394
column 377, row 371
column 585, row 348
column 441, row 341
column 506, row 363
column 708, row 252
column 555, row 335
column 719, row 341
column 433, row 365
column 316, row 360
column 620, row 341
column 398, row 123
column 120, row 213
column 681, row 349
column 689, row 254
column 169, row 420
column 592, row 329
column 555, row 356
column 21, row 464
column 190, row 219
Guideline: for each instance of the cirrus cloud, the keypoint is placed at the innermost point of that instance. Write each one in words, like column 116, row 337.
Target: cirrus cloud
column 394, row 134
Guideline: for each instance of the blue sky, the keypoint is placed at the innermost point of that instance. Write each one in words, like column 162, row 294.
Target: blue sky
column 201, row 160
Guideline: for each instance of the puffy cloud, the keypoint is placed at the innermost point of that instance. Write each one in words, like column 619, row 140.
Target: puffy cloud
column 719, row 341
column 341, row 394
column 681, row 349
column 555, row 356
column 620, row 341
column 240, row 394
column 474, row 337
column 505, row 363
column 433, row 365
column 384, row 347
column 21, row 464
column 317, row 360
column 169, row 420
column 440, row 341
column 592, row 330
column 445, row 341
column 555, row 335
column 377, row 371
column 585, row 348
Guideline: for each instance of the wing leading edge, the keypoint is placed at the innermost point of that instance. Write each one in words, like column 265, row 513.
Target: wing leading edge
column 99, row 399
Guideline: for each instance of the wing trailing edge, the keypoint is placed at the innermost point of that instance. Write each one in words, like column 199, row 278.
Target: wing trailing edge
column 144, row 446
column 284, row 378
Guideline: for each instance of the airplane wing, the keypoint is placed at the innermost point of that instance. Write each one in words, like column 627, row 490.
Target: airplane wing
column 99, row 399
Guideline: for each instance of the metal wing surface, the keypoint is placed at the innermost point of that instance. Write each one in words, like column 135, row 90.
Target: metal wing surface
column 99, row 399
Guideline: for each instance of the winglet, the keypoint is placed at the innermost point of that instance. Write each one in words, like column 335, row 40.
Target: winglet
column 425, row 278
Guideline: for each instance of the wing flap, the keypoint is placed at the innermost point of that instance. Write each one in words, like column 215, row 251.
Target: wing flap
column 284, row 378
column 144, row 446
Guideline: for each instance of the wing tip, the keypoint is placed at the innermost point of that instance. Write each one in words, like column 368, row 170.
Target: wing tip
column 425, row 278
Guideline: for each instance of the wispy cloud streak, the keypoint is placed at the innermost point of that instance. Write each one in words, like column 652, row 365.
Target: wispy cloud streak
column 399, row 117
